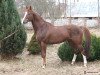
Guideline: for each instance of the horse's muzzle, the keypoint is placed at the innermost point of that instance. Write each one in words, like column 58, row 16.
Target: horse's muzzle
column 25, row 21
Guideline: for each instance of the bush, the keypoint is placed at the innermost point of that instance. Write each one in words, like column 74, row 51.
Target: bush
column 65, row 51
column 33, row 46
column 9, row 23
column 96, row 46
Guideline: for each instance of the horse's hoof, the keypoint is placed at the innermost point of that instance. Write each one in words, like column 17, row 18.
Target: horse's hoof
column 72, row 62
column 43, row 66
column 85, row 65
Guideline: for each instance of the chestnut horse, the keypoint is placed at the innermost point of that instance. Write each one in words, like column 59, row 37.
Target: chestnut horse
column 46, row 33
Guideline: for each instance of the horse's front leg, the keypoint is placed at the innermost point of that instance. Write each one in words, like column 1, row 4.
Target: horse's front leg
column 75, row 55
column 43, row 53
column 74, row 59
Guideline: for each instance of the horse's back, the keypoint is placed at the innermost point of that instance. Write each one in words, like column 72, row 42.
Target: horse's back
column 58, row 34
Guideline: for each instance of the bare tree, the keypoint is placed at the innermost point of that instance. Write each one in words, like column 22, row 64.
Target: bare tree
column 54, row 11
column 70, row 13
column 65, row 8
column 46, row 8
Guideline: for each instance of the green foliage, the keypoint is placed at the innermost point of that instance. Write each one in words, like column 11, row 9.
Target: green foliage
column 65, row 51
column 96, row 46
column 33, row 46
column 9, row 23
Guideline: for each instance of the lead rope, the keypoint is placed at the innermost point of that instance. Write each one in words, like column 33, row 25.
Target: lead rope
column 7, row 37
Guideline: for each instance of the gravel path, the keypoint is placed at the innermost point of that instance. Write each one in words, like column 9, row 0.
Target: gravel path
column 31, row 65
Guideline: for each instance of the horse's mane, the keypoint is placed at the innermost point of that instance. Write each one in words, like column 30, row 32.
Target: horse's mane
column 38, row 17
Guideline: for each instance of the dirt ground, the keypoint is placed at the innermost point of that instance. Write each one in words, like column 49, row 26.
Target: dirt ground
column 31, row 64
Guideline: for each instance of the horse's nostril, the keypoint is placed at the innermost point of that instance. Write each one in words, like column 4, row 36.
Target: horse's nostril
column 24, row 22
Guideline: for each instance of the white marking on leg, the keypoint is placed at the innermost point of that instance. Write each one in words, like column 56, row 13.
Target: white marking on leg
column 85, row 60
column 74, row 58
column 24, row 17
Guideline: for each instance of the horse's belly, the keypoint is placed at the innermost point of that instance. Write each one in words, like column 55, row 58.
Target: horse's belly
column 55, row 36
column 57, row 39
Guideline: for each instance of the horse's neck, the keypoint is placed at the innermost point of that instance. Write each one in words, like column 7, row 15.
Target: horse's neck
column 37, row 23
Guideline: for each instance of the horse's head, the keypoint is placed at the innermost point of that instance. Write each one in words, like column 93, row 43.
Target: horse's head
column 28, row 16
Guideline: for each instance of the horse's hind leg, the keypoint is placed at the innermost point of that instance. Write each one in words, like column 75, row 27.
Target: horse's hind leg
column 43, row 53
column 85, row 60
column 80, row 47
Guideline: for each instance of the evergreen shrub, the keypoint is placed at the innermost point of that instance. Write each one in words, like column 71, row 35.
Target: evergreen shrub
column 65, row 51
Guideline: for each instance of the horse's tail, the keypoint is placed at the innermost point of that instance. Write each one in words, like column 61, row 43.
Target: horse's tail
column 87, row 36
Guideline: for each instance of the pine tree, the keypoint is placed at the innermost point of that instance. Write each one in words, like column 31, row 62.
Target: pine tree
column 9, row 23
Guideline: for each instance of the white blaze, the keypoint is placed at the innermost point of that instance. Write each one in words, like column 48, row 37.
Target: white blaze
column 24, row 17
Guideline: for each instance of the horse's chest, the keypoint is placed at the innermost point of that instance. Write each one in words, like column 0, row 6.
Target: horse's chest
column 40, row 35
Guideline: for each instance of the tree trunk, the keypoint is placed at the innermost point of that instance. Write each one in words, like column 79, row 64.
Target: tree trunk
column 52, row 21
column 98, row 15
column 70, row 14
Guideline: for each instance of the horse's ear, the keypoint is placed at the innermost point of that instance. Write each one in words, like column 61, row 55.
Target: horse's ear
column 26, row 7
column 30, row 7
